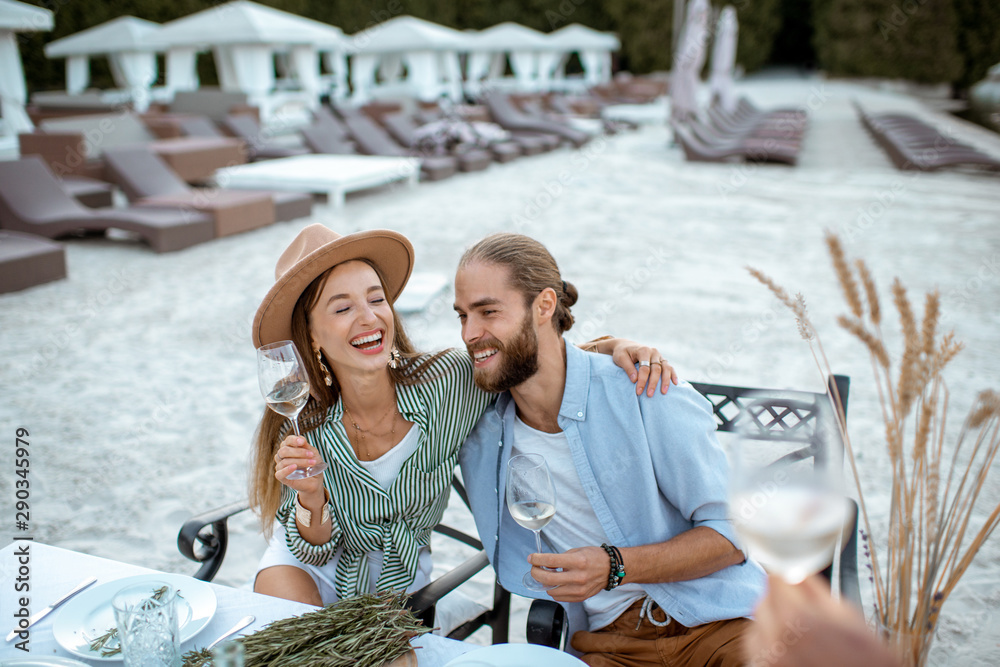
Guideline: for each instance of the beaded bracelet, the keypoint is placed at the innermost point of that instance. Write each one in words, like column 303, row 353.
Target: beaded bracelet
column 617, row 571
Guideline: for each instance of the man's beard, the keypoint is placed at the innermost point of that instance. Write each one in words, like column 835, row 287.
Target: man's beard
column 518, row 361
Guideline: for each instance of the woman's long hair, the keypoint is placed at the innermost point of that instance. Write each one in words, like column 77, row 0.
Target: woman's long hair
column 265, row 491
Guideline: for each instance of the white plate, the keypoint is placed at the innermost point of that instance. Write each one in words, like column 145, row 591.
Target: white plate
column 515, row 655
column 89, row 614
column 50, row 661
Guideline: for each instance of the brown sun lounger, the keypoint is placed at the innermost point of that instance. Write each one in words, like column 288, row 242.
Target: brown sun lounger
column 509, row 118
column 259, row 146
column 74, row 146
column 373, row 140
column 147, row 181
column 27, row 260
column 696, row 151
column 403, row 129
column 32, row 200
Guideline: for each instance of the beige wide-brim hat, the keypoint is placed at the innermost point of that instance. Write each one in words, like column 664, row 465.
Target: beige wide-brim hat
column 315, row 250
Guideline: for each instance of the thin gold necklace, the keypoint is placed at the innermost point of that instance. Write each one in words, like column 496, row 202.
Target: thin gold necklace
column 361, row 431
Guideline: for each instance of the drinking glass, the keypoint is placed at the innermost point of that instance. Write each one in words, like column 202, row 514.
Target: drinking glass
column 531, row 499
column 284, row 382
column 786, row 487
column 148, row 627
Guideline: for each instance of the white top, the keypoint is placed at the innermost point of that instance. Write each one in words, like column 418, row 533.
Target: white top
column 385, row 469
column 575, row 524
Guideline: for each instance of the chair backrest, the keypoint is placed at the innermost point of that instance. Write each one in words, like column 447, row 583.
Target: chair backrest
column 213, row 103
column 142, row 173
column 371, row 138
column 32, row 193
column 102, row 131
column 199, row 126
column 244, row 126
column 324, row 139
column 402, row 128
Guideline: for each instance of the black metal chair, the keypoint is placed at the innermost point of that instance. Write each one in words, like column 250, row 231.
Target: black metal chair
column 204, row 539
column 792, row 416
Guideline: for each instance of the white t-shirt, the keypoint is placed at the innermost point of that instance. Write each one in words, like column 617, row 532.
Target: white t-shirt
column 575, row 523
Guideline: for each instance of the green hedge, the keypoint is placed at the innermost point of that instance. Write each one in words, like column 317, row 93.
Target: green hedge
column 922, row 40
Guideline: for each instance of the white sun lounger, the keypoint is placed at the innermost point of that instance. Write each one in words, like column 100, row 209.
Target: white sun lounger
column 332, row 175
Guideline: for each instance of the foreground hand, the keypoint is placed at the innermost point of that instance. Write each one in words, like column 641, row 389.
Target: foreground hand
column 584, row 573
column 295, row 452
column 653, row 368
column 804, row 625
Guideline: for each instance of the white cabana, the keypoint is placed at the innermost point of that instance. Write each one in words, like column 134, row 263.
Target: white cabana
column 491, row 49
column 126, row 41
column 594, row 48
column 244, row 38
column 720, row 82
column 688, row 61
column 427, row 51
column 16, row 17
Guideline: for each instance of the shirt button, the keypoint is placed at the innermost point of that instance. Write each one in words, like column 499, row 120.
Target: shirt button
column 579, row 414
column 500, row 444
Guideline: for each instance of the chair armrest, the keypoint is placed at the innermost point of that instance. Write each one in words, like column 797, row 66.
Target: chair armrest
column 205, row 537
column 546, row 622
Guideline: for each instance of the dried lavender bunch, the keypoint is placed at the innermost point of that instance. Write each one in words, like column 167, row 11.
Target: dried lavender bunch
column 362, row 631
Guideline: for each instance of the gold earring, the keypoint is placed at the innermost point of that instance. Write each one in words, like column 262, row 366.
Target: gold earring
column 327, row 378
column 394, row 358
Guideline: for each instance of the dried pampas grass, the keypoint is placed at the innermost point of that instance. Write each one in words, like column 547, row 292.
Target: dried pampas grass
column 933, row 531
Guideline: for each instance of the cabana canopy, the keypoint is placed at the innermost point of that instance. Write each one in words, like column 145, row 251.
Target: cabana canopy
column 126, row 41
column 595, row 49
column 244, row 37
column 523, row 46
column 688, row 61
column 16, row 17
column 428, row 50
column 724, row 59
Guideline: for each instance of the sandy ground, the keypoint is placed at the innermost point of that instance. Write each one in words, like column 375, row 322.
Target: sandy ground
column 136, row 376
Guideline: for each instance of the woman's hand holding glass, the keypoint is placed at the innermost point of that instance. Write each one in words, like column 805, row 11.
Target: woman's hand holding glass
column 293, row 454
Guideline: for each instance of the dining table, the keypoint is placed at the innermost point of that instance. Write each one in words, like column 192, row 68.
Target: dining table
column 41, row 573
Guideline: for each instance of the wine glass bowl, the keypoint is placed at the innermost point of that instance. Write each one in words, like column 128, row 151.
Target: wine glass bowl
column 786, row 484
column 284, row 383
column 531, row 500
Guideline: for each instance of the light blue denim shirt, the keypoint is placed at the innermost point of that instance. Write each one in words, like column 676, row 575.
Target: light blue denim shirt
column 652, row 468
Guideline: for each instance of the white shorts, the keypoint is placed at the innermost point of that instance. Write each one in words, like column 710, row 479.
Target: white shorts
column 324, row 576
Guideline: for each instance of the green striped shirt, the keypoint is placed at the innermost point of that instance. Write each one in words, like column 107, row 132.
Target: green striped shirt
column 397, row 521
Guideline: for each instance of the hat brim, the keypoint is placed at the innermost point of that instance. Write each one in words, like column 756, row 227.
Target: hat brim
column 389, row 251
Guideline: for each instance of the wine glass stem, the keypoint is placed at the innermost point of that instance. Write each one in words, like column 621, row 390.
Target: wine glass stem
column 538, row 541
column 295, row 425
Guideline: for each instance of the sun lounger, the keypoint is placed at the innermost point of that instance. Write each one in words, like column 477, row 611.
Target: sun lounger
column 321, row 138
column 74, row 146
column 509, row 118
column 33, row 201
column 373, row 140
column 914, row 145
column 696, row 151
column 27, row 260
column 147, row 181
column 259, row 145
column 404, row 129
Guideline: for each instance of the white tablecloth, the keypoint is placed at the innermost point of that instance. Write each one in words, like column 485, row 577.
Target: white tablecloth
column 54, row 571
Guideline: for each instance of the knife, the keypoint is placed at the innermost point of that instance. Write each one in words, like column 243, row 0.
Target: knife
column 39, row 615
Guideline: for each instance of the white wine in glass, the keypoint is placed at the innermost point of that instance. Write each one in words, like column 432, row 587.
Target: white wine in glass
column 284, row 382
column 531, row 499
column 786, row 497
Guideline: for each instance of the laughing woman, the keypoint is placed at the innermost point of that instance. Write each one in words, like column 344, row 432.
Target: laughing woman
column 386, row 419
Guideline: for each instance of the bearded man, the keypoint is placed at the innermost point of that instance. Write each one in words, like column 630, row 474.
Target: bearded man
column 641, row 552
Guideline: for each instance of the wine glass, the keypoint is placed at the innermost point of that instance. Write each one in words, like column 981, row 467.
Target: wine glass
column 786, row 487
column 284, row 382
column 531, row 499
